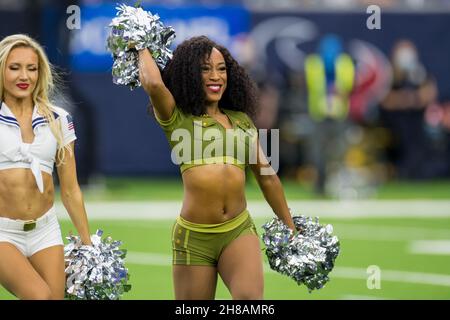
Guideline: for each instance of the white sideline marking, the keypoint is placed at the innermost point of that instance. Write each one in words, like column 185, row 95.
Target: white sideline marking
column 133, row 210
column 394, row 275
column 437, row 247
column 387, row 233
column 338, row 272
column 153, row 259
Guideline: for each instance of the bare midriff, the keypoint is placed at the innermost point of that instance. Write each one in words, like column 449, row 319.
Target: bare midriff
column 213, row 193
column 19, row 196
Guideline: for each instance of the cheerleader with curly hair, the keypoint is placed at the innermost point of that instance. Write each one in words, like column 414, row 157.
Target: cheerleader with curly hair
column 204, row 90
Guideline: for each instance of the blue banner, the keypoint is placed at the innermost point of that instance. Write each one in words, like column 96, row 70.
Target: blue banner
column 224, row 24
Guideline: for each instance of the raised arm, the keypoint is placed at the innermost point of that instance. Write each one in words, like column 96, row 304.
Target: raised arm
column 151, row 80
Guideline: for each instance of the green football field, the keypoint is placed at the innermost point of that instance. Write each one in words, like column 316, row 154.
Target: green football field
column 410, row 248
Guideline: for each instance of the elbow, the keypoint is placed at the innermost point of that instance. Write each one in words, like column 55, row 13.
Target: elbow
column 151, row 85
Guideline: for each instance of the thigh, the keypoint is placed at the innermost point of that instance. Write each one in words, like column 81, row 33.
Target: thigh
column 240, row 267
column 49, row 263
column 194, row 282
column 18, row 275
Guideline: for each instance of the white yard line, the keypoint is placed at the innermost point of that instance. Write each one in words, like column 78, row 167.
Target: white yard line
column 145, row 258
column 133, row 210
column 387, row 233
column 394, row 275
column 157, row 259
column 168, row 210
column 430, row 247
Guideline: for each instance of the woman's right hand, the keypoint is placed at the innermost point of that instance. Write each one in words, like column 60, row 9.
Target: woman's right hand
column 131, row 44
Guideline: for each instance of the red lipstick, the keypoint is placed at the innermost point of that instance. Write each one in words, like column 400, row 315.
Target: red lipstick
column 23, row 86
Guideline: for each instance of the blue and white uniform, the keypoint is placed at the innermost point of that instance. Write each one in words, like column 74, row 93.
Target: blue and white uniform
column 32, row 236
column 41, row 153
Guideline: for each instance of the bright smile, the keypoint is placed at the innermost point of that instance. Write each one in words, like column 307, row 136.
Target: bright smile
column 215, row 88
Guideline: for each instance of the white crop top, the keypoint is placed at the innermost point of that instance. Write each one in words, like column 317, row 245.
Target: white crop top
column 40, row 154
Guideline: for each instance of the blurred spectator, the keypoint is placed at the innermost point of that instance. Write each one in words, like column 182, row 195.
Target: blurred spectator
column 266, row 117
column 329, row 80
column 402, row 111
column 446, row 129
column 268, row 105
column 437, row 128
column 295, row 125
column 446, row 117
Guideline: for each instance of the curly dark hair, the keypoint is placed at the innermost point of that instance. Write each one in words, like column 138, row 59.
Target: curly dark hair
column 182, row 76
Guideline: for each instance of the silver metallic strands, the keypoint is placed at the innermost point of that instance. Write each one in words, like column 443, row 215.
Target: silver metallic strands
column 134, row 29
column 95, row 272
column 308, row 256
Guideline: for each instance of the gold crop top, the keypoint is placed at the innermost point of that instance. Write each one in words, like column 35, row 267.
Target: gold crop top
column 200, row 140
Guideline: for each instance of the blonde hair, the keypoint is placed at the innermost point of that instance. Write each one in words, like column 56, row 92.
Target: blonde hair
column 45, row 85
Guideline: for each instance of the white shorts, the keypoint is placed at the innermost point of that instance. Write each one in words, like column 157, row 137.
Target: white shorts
column 45, row 233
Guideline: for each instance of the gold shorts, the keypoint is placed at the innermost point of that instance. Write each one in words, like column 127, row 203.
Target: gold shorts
column 202, row 244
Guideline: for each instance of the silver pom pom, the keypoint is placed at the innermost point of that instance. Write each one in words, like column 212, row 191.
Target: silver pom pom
column 307, row 256
column 95, row 272
column 135, row 29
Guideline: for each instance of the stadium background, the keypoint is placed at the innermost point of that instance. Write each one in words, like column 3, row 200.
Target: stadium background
column 386, row 213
